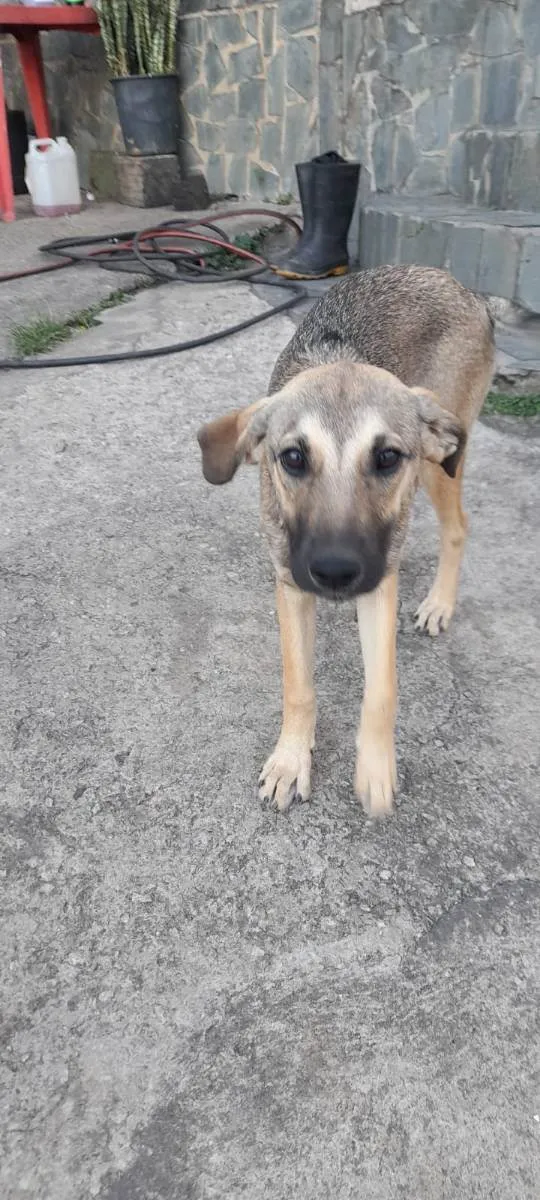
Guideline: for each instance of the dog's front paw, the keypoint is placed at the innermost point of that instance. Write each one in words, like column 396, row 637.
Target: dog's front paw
column 375, row 781
column 287, row 774
column 434, row 613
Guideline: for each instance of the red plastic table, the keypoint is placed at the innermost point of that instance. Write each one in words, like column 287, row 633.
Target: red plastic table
column 25, row 24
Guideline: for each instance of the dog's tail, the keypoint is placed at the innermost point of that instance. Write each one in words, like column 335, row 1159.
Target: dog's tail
column 499, row 310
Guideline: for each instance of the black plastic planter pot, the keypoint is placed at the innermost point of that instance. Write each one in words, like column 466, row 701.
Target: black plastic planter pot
column 149, row 113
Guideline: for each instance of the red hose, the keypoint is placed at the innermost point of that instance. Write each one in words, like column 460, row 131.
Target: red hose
column 162, row 233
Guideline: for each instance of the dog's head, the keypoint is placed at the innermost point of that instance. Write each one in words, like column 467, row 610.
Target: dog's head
column 340, row 448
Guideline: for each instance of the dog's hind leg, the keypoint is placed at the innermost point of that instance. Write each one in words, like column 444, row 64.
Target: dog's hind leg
column 445, row 493
column 287, row 774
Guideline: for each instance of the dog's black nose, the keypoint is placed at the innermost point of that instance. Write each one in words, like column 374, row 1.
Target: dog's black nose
column 335, row 572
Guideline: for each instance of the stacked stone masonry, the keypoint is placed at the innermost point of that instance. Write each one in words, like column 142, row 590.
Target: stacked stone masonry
column 250, row 102
column 436, row 97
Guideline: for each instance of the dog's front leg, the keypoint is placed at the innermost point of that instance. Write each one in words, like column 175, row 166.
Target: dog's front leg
column 287, row 773
column 375, row 782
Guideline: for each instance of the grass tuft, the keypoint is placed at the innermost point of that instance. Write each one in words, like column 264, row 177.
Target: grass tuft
column 42, row 335
column 38, row 336
column 512, row 406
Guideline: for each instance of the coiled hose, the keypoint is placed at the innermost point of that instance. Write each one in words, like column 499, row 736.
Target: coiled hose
column 171, row 252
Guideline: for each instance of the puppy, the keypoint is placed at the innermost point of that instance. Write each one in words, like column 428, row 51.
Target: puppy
column 375, row 394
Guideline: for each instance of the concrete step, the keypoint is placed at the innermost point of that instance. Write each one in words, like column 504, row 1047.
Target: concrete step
column 493, row 251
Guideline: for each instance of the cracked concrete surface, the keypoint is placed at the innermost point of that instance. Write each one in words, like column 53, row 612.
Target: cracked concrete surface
column 203, row 1000
column 61, row 294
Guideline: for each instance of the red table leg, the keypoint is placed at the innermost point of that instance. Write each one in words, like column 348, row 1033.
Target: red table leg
column 34, row 80
column 7, row 204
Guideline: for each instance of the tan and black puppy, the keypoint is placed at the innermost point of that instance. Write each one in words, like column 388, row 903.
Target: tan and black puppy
column 376, row 393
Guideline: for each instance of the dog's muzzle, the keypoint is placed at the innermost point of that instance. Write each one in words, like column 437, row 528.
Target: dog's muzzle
column 335, row 572
column 339, row 569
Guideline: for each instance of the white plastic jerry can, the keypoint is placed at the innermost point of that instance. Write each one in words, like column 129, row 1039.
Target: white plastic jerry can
column 51, row 177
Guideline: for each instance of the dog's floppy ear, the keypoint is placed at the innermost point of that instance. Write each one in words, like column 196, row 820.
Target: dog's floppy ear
column 443, row 437
column 225, row 443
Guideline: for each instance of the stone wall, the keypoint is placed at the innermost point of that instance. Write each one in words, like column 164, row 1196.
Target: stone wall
column 432, row 96
column 438, row 96
column 250, row 75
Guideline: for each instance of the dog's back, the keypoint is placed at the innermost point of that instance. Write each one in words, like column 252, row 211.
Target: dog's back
column 417, row 322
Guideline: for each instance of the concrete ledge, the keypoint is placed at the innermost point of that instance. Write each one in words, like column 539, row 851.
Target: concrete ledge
column 140, row 181
column 496, row 252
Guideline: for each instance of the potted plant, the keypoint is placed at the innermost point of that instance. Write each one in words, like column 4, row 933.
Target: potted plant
column 139, row 37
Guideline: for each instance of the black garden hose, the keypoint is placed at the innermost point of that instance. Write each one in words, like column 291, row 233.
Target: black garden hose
column 173, row 251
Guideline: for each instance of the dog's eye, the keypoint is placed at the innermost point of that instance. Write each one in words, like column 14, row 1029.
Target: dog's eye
column 387, row 459
column 293, row 461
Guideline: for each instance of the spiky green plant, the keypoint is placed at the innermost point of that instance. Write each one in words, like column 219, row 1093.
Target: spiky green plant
column 139, row 36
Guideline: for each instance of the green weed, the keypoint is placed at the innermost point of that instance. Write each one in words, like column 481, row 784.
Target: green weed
column 42, row 335
column 225, row 260
column 512, row 406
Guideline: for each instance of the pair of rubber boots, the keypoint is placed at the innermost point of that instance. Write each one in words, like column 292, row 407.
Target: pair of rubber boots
column 327, row 187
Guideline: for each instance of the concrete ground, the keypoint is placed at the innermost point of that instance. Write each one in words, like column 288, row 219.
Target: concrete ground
column 203, row 1000
column 59, row 294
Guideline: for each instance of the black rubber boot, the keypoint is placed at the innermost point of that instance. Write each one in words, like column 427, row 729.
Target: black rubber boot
column 327, row 187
